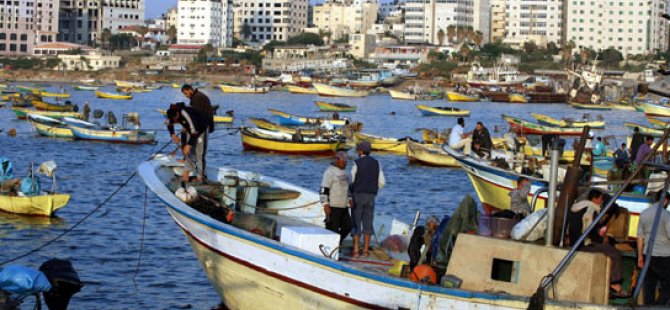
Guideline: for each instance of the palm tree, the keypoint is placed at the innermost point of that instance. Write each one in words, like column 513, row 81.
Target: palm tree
column 478, row 38
column 440, row 37
column 172, row 34
column 451, row 33
column 566, row 51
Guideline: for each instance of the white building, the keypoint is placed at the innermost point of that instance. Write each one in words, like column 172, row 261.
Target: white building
column 172, row 17
column 92, row 62
column 203, row 22
column 497, row 17
column 83, row 22
column 343, row 18
column 481, row 18
column 425, row 18
column 23, row 24
column 390, row 9
column 632, row 27
column 117, row 14
column 266, row 20
column 540, row 21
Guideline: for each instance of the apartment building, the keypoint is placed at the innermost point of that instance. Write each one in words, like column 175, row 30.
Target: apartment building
column 632, row 27
column 540, row 21
column 345, row 17
column 83, row 22
column 497, row 16
column 25, row 23
column 425, row 18
column 203, row 22
column 171, row 17
column 266, row 20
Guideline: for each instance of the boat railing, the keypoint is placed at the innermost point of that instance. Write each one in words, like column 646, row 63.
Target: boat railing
column 538, row 298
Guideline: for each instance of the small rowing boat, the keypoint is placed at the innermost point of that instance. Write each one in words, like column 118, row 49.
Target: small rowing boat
column 106, row 95
column 85, row 87
column 458, row 97
column 293, row 89
column 655, row 110
column 88, row 131
column 53, row 128
column 521, row 126
column 295, row 120
column 334, row 107
column 40, row 205
column 22, row 113
column 334, row 91
column 645, row 130
column 550, row 121
column 429, row 155
column 382, row 144
column 268, row 125
column 243, row 89
column 588, row 106
column 46, row 106
column 441, row 111
column 257, row 139
column 55, row 95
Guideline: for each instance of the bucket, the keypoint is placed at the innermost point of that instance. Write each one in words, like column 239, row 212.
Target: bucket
column 484, row 228
column 502, row 227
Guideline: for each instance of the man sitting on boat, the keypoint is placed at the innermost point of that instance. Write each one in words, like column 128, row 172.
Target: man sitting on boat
column 481, row 141
column 519, row 206
column 367, row 178
column 8, row 183
column 194, row 125
column 335, row 196
column 458, row 139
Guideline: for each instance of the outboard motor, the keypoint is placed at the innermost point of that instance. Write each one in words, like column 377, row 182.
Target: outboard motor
column 98, row 113
column 64, row 281
column 75, row 108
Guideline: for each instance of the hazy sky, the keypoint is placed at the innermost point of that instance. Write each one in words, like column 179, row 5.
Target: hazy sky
column 157, row 7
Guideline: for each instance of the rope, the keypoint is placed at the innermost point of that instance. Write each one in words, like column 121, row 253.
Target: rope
column 139, row 254
column 82, row 220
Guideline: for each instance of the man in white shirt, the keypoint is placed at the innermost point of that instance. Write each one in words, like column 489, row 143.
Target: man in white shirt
column 459, row 140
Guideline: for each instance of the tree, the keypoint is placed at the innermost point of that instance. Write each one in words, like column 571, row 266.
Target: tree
column 104, row 37
column 478, row 38
column 611, row 57
column 121, row 41
column 440, row 37
column 451, row 33
column 172, row 34
column 246, row 31
column 306, row 38
column 530, row 47
column 566, row 51
column 325, row 34
column 270, row 46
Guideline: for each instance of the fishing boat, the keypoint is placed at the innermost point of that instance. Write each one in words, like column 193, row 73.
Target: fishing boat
column 88, row 131
column 40, row 105
column 655, row 110
column 243, row 89
column 10, row 96
column 305, row 130
column 383, row 144
column 250, row 243
column 494, row 184
column 429, row 155
column 55, row 95
column 334, row 107
column 133, row 90
column 441, row 111
column 497, row 76
column 28, row 89
column 645, row 130
column 518, row 98
column 85, row 87
column 458, row 97
column 301, row 90
column 334, row 91
column 40, row 205
column 218, row 119
column 294, row 120
column 550, row 121
column 22, row 113
column 106, row 95
column 395, row 94
column 657, row 122
column 53, row 128
column 590, row 106
column 128, row 84
column 256, row 139
column 521, row 126
column 175, row 85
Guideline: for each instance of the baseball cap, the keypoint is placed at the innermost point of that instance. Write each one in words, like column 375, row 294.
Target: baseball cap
column 364, row 146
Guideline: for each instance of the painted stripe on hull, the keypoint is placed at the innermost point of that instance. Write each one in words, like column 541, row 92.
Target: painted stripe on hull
column 249, row 147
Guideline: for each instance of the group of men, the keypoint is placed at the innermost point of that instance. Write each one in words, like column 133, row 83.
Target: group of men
column 479, row 139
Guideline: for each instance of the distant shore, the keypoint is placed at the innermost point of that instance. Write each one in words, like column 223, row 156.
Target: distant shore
column 108, row 76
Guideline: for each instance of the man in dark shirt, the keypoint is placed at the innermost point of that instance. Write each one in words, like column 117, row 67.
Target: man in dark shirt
column 367, row 178
column 201, row 103
column 481, row 140
column 195, row 127
column 636, row 141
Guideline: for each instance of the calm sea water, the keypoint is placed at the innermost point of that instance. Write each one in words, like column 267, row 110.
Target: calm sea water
column 105, row 248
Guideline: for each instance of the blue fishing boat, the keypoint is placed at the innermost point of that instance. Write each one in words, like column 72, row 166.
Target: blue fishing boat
column 87, row 131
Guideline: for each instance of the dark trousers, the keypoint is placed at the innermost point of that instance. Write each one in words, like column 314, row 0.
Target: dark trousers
column 363, row 213
column 658, row 276
column 616, row 271
column 339, row 221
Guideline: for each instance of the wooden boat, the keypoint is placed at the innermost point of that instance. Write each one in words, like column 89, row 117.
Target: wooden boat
column 364, row 83
column 40, row 205
column 589, row 106
column 518, row 98
column 9, row 97
column 334, row 107
column 550, row 121
column 301, row 90
column 655, row 110
column 309, row 131
column 85, row 87
column 333, row 91
column 458, row 97
column 645, row 130
column 55, row 95
column 243, row 89
column 525, row 127
column 53, row 128
column 88, row 131
column 22, row 113
column 106, row 95
column 441, row 111
column 382, row 144
column 128, row 84
column 217, row 118
column 294, row 120
column 395, row 94
column 40, row 105
column 28, row 89
column 494, row 184
column 657, row 122
column 621, row 107
column 429, row 155
column 277, row 142
column 235, row 253
column 133, row 90
column 175, row 85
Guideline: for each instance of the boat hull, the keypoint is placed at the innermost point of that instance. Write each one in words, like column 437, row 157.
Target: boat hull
column 254, row 143
column 329, row 107
column 301, row 90
column 43, row 205
column 429, row 155
column 114, row 136
column 596, row 107
column 22, row 113
column 457, row 97
column 381, row 144
column 402, row 95
column 524, row 127
column 243, row 89
column 55, row 95
column 85, row 88
column 105, row 95
column 52, row 131
column 293, row 120
column 550, row 121
column 333, row 91
column 655, row 110
column 51, row 107
column 433, row 111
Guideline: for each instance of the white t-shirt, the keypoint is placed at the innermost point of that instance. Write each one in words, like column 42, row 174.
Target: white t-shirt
column 455, row 136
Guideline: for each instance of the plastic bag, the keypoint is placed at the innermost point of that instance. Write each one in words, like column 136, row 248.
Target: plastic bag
column 23, row 280
column 522, row 228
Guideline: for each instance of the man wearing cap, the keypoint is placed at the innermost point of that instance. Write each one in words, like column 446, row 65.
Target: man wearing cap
column 459, row 140
column 335, row 196
column 201, row 103
column 194, row 126
column 367, row 178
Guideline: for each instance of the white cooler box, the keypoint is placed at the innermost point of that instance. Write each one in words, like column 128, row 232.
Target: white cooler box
column 309, row 238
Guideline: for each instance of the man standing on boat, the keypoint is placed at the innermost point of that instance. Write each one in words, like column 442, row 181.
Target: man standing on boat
column 201, row 103
column 195, row 126
column 658, row 272
column 367, row 179
column 335, row 196
column 459, row 140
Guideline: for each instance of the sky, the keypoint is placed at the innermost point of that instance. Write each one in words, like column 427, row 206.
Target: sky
column 154, row 8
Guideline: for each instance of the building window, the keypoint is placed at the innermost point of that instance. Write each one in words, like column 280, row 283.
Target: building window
column 3, row 47
column 12, row 47
column 24, row 48
column 12, row 37
column 24, row 37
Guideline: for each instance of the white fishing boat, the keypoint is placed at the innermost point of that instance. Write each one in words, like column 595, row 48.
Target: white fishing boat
column 497, row 76
column 261, row 252
column 334, row 91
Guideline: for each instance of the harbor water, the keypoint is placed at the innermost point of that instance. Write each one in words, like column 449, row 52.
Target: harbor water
column 105, row 248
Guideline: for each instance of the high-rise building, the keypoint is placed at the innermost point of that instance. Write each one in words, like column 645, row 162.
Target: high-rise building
column 266, row 20
column 632, row 27
column 481, row 18
column 84, row 21
column 540, row 21
column 25, row 23
column 203, row 22
column 425, row 18
column 497, row 20
column 345, row 17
